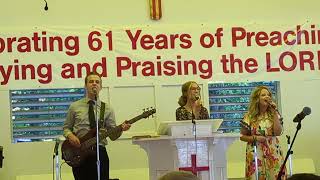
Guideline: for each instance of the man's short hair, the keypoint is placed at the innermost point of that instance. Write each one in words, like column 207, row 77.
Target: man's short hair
column 90, row 74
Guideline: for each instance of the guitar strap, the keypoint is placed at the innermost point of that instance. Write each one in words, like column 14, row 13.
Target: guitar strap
column 102, row 109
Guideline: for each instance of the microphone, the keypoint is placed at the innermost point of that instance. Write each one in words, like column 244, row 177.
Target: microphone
column 56, row 146
column 299, row 117
column 46, row 7
column 274, row 106
column 197, row 96
column 94, row 90
column 1, row 156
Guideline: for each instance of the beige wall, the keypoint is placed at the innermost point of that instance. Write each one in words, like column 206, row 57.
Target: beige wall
column 36, row 158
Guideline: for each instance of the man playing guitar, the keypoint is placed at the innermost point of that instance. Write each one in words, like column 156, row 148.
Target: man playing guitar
column 78, row 124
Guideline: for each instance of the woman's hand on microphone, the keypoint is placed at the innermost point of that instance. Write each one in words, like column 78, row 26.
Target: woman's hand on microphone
column 198, row 105
column 272, row 104
column 261, row 139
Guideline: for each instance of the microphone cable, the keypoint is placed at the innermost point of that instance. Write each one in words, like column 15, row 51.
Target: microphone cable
column 46, row 6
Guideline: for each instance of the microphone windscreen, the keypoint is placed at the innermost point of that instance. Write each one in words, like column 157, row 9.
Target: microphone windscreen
column 306, row 110
column 94, row 90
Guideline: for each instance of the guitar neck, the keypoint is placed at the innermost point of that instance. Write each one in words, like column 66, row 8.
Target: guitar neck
column 135, row 119
column 92, row 141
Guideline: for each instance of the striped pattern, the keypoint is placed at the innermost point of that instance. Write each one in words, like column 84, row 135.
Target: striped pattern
column 155, row 9
column 38, row 114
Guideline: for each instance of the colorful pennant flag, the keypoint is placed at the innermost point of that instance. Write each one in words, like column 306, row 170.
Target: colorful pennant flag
column 155, row 9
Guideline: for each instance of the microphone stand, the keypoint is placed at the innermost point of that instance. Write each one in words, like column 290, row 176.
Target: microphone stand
column 194, row 131
column 1, row 156
column 289, row 151
column 194, row 127
column 97, row 136
column 56, row 158
column 256, row 158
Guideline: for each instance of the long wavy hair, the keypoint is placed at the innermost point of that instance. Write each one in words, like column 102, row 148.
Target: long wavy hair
column 254, row 104
column 184, row 90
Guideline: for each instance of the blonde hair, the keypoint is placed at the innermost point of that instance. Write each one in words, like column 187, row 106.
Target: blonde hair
column 179, row 175
column 184, row 90
column 253, row 109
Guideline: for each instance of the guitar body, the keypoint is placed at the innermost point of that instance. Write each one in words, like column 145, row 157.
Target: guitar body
column 73, row 155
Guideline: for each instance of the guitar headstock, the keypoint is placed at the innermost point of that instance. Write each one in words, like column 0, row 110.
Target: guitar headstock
column 148, row 112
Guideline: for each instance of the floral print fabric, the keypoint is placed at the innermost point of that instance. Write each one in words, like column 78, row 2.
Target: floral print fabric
column 183, row 114
column 270, row 155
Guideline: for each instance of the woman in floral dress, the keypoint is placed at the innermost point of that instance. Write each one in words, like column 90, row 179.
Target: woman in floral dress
column 261, row 124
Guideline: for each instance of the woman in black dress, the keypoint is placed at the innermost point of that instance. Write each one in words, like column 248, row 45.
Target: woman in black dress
column 190, row 103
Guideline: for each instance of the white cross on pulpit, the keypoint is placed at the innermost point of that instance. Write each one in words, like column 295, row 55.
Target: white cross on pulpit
column 194, row 168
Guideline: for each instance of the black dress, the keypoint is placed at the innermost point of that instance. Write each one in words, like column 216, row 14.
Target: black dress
column 183, row 114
